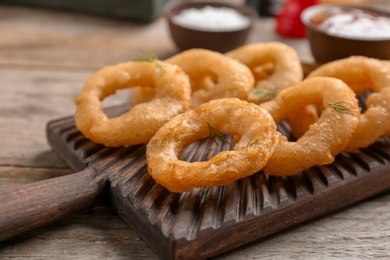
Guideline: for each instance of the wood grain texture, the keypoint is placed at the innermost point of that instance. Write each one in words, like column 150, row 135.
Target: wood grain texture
column 29, row 206
column 45, row 58
column 198, row 224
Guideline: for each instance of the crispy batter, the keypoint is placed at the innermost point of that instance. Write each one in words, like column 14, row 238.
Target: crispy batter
column 358, row 72
column 300, row 119
column 275, row 66
column 374, row 122
column 325, row 138
column 140, row 123
column 253, row 129
column 361, row 74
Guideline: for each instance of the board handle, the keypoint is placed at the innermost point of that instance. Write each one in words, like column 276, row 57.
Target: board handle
column 28, row 206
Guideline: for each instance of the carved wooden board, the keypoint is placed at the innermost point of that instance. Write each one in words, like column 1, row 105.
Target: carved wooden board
column 203, row 223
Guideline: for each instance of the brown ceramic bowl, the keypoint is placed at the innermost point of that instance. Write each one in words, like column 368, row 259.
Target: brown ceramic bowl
column 221, row 41
column 326, row 47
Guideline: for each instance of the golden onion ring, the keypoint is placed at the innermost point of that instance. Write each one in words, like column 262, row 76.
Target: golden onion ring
column 274, row 65
column 325, row 138
column 140, row 123
column 374, row 122
column 361, row 74
column 255, row 138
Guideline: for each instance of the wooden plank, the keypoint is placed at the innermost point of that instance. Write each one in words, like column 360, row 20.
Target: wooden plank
column 28, row 102
column 71, row 238
column 29, row 98
column 93, row 234
column 56, row 38
column 357, row 232
column 10, row 175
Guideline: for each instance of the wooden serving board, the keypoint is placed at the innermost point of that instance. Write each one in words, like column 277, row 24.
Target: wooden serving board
column 202, row 223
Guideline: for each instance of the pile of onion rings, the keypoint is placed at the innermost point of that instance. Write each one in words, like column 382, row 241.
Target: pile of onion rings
column 177, row 101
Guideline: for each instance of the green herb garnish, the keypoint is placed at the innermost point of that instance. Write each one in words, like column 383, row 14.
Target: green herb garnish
column 255, row 143
column 151, row 57
column 340, row 107
column 263, row 93
column 148, row 56
column 215, row 134
column 204, row 189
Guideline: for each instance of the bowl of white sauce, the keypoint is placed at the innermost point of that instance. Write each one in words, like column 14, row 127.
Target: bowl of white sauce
column 336, row 32
column 212, row 25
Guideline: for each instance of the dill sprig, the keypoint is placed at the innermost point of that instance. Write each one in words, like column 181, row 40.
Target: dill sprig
column 151, row 57
column 215, row 134
column 147, row 56
column 263, row 93
column 254, row 143
column 204, row 189
column 340, row 107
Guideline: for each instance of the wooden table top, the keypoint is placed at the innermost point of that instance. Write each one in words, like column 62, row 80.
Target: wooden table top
column 45, row 57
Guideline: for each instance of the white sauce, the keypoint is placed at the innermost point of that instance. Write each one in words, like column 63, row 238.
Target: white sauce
column 357, row 24
column 212, row 19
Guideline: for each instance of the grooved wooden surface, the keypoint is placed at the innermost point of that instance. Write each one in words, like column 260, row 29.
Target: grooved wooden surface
column 203, row 223
column 44, row 59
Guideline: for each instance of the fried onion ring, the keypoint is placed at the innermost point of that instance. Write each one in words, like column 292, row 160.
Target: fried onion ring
column 324, row 139
column 140, row 123
column 374, row 122
column 212, row 75
column 358, row 72
column 255, row 138
column 361, row 74
column 274, row 65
